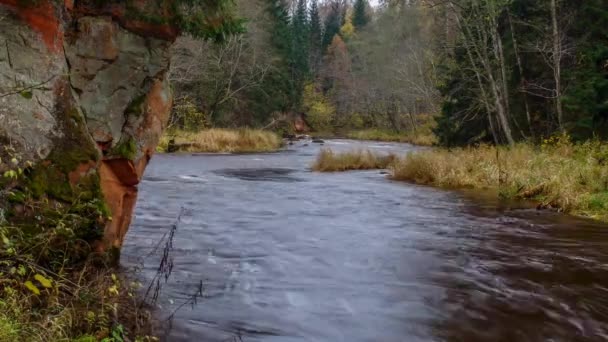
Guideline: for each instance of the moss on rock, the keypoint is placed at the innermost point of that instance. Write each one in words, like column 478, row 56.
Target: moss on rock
column 126, row 148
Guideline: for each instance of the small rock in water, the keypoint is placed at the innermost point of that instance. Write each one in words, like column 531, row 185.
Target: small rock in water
column 318, row 141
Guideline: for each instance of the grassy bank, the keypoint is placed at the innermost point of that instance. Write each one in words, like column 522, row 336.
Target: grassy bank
column 328, row 161
column 572, row 178
column 218, row 140
column 53, row 288
column 422, row 138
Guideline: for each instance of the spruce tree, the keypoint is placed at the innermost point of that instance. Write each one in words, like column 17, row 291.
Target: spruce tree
column 316, row 36
column 360, row 17
column 279, row 85
column 300, row 47
column 332, row 24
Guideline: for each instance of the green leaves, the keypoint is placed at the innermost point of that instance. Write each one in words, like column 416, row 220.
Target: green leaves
column 26, row 94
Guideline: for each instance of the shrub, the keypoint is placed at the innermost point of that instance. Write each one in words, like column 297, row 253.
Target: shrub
column 319, row 111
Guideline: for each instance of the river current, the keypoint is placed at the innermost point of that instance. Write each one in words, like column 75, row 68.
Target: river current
column 286, row 254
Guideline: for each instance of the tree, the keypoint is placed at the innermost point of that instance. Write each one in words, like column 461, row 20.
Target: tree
column 556, row 60
column 333, row 22
column 348, row 29
column 586, row 97
column 337, row 78
column 282, row 84
column 300, row 52
column 316, row 36
column 214, row 83
column 360, row 16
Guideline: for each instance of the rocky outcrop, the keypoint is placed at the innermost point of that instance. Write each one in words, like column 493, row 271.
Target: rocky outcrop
column 84, row 98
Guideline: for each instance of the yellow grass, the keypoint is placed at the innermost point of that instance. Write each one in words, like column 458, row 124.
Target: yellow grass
column 218, row 140
column 558, row 174
column 423, row 137
column 328, row 161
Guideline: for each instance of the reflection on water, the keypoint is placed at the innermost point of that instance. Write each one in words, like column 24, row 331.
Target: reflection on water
column 290, row 255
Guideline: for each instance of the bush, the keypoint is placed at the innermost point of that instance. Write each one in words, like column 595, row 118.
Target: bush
column 319, row 111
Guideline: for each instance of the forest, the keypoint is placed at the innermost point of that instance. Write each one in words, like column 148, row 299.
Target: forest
column 498, row 71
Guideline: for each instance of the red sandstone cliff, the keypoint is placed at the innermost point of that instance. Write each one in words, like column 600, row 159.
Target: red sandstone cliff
column 84, row 96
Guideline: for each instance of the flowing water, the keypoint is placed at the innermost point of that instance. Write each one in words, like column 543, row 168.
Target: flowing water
column 286, row 254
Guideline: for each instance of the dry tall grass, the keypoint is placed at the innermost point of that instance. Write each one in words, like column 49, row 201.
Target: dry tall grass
column 420, row 138
column 558, row 174
column 218, row 140
column 329, row 161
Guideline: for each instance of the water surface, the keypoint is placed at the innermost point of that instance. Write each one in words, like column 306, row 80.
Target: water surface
column 286, row 254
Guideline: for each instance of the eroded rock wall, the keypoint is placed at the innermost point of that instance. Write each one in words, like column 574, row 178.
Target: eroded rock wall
column 84, row 98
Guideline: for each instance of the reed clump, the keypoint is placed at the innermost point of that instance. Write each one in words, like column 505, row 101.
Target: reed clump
column 330, row 161
column 220, row 140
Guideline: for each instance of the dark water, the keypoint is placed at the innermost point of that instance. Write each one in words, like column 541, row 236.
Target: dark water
column 290, row 255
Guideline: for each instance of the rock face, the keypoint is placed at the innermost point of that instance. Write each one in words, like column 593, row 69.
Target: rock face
column 84, row 97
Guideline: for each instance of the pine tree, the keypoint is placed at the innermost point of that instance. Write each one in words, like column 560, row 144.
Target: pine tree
column 360, row 17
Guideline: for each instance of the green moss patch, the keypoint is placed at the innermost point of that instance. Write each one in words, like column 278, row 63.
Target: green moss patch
column 126, row 148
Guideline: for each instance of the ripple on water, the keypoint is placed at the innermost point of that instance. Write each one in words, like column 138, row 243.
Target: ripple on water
column 261, row 174
column 290, row 255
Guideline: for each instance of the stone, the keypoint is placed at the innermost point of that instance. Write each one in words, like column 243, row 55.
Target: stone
column 84, row 97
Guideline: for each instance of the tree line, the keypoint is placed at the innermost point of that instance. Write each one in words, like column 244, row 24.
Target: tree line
column 497, row 71
column 517, row 70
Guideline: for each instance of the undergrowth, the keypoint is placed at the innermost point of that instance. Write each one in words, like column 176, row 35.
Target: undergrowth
column 55, row 285
column 53, row 288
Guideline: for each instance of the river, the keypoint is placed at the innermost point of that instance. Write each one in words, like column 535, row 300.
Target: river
column 286, row 254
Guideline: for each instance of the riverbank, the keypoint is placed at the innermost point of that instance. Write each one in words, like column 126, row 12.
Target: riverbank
column 423, row 137
column 559, row 175
column 54, row 288
column 219, row 140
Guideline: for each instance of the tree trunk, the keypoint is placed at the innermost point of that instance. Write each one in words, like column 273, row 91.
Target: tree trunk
column 521, row 74
column 557, row 69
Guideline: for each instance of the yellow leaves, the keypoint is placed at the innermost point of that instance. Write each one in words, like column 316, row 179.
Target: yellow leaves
column 113, row 290
column 11, row 174
column 30, row 286
column 319, row 111
column 43, row 281
column 347, row 30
